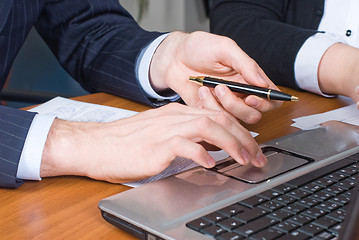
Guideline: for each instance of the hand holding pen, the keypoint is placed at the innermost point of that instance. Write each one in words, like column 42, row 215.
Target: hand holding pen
column 268, row 93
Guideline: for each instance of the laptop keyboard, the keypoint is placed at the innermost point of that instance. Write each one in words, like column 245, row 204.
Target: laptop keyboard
column 310, row 206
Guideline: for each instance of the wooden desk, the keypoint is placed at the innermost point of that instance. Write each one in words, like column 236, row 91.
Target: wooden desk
column 66, row 207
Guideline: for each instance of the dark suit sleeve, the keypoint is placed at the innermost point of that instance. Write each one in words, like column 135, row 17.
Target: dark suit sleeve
column 14, row 126
column 269, row 31
column 98, row 43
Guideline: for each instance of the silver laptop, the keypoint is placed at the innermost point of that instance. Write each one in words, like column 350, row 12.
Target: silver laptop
column 302, row 193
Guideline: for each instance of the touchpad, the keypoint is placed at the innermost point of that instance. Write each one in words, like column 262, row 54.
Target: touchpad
column 279, row 162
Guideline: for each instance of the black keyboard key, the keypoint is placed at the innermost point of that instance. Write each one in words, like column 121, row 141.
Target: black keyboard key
column 283, row 188
column 338, row 215
column 328, row 206
column 232, row 209
column 269, row 194
column 325, row 182
column 335, row 190
column 253, row 201
column 341, row 200
column 346, row 184
column 198, row 224
column 229, row 224
column 325, row 235
column 308, row 202
column 294, row 208
column 230, row 236
column 311, row 229
column 325, row 222
column 311, row 187
column 250, row 215
column 295, row 235
column 213, row 230
column 286, row 226
column 284, row 199
column 280, row 215
column 298, row 193
column 337, row 176
column 267, row 234
column 322, row 196
column 314, row 212
column 271, row 206
column 300, row 219
column 215, row 217
column 336, row 229
column 255, row 226
column 349, row 171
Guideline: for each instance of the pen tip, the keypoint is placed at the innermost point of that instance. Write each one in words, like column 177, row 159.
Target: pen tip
column 294, row 99
column 192, row 78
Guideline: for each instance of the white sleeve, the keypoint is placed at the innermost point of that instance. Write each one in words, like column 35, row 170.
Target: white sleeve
column 308, row 59
column 30, row 160
column 143, row 68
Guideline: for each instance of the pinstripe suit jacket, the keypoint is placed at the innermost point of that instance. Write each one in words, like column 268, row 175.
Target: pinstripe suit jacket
column 96, row 41
column 269, row 31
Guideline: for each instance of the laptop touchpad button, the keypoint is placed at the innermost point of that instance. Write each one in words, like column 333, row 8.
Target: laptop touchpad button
column 279, row 162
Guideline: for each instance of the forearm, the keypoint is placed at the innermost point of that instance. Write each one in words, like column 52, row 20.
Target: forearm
column 338, row 71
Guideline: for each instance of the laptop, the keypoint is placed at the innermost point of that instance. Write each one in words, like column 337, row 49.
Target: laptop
column 306, row 191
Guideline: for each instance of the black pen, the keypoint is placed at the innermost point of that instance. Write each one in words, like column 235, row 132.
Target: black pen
column 245, row 88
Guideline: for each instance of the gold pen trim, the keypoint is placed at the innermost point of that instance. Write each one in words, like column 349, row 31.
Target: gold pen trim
column 198, row 80
column 268, row 94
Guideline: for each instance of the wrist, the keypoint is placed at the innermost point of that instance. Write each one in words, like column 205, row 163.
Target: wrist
column 162, row 59
column 63, row 152
column 338, row 70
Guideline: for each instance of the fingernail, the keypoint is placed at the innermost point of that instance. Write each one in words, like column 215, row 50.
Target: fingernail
column 357, row 90
column 219, row 90
column 251, row 101
column 262, row 80
column 262, row 160
column 203, row 92
column 245, row 156
column 210, row 161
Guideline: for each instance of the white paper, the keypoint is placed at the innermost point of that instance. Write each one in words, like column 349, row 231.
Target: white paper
column 348, row 114
column 72, row 110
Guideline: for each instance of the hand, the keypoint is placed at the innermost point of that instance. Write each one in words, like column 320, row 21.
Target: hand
column 145, row 144
column 182, row 55
column 338, row 71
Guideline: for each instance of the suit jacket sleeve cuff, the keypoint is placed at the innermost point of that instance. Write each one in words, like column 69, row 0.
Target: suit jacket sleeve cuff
column 30, row 160
column 143, row 68
column 308, row 59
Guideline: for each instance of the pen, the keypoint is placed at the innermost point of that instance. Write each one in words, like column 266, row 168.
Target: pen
column 245, row 88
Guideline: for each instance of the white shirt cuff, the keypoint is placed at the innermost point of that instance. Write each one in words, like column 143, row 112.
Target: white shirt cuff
column 308, row 59
column 144, row 68
column 30, row 160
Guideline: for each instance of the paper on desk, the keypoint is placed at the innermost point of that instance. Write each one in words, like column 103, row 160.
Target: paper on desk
column 348, row 114
column 72, row 110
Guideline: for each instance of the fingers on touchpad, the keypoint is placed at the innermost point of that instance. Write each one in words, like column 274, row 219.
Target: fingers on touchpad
column 279, row 162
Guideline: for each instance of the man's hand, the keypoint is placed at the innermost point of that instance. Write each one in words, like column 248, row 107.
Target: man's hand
column 182, row 55
column 145, row 144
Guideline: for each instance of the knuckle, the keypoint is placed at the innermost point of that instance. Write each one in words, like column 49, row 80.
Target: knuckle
column 204, row 122
column 175, row 140
column 223, row 119
column 253, row 118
